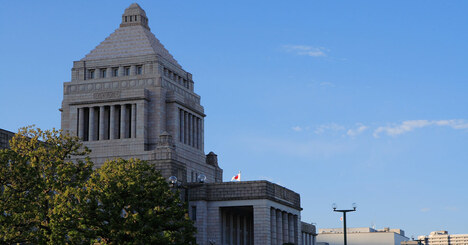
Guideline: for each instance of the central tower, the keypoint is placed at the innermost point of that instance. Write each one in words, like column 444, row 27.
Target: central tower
column 130, row 98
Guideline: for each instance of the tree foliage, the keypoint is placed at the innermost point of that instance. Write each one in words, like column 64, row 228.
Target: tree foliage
column 49, row 196
column 34, row 173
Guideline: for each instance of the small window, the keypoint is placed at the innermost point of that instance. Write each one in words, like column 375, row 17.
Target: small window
column 194, row 213
column 125, row 18
column 139, row 70
column 115, row 72
column 131, row 18
column 91, row 74
column 127, row 70
column 103, row 73
column 135, row 18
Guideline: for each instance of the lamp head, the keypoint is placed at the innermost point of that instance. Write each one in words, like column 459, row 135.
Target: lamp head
column 334, row 206
column 201, row 178
column 173, row 180
column 354, row 205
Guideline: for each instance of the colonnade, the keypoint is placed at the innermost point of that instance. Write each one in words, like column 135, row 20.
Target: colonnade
column 107, row 122
column 237, row 228
column 284, row 227
column 190, row 129
column 307, row 238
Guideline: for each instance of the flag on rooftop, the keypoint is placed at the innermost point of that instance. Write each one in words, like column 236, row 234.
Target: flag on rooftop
column 236, row 177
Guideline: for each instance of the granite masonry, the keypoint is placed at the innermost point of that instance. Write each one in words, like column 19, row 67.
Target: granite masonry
column 129, row 98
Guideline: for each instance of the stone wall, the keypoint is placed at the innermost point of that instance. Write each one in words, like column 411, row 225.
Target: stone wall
column 245, row 190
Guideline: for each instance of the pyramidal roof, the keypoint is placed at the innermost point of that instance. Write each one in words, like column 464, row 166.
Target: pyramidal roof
column 132, row 38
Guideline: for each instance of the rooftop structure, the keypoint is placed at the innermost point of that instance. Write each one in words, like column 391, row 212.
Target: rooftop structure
column 362, row 236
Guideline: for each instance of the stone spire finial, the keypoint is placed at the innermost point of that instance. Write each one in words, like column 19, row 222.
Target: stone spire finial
column 134, row 15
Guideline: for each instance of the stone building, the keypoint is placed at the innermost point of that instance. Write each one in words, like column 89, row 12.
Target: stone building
column 362, row 236
column 130, row 98
column 5, row 137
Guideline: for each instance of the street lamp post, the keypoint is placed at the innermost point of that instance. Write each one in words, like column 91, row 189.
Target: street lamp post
column 344, row 211
column 173, row 182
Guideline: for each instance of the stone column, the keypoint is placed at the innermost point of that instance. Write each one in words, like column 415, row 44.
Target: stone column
column 132, row 70
column 285, row 228
column 202, row 134
column 291, row 227
column 91, row 135
column 133, row 121
column 181, row 126
column 189, row 122
column 81, row 118
column 112, row 122
column 296, row 230
column 185, row 127
column 123, row 124
column 194, row 131
column 197, row 126
column 279, row 227
column 102, row 124
column 273, row 226
column 121, row 71
column 261, row 220
column 109, row 72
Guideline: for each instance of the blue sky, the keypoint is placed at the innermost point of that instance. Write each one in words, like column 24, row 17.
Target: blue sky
column 340, row 101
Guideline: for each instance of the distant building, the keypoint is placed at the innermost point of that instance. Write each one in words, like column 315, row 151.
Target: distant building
column 361, row 236
column 443, row 238
column 5, row 137
column 411, row 242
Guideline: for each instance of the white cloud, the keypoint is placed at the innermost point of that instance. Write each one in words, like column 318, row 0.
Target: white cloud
column 328, row 127
column 297, row 128
column 306, row 50
column 354, row 132
column 407, row 126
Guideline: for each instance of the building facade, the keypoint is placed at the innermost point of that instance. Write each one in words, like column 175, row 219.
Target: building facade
column 443, row 238
column 361, row 236
column 129, row 98
column 5, row 137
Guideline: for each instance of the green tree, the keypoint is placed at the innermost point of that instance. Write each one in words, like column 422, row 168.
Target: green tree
column 34, row 173
column 129, row 202
column 48, row 196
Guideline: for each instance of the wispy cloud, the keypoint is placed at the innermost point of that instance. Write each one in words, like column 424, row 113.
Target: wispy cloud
column 327, row 84
column 306, row 50
column 329, row 127
column 424, row 210
column 356, row 131
column 407, row 126
column 297, row 128
column 451, row 208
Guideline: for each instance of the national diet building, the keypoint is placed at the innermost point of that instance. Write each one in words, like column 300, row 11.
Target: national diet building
column 130, row 98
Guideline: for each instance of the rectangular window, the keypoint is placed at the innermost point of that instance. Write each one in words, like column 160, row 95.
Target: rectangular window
column 103, row 73
column 115, row 71
column 127, row 70
column 139, row 70
column 125, row 18
column 91, row 74
column 131, row 18
column 194, row 213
